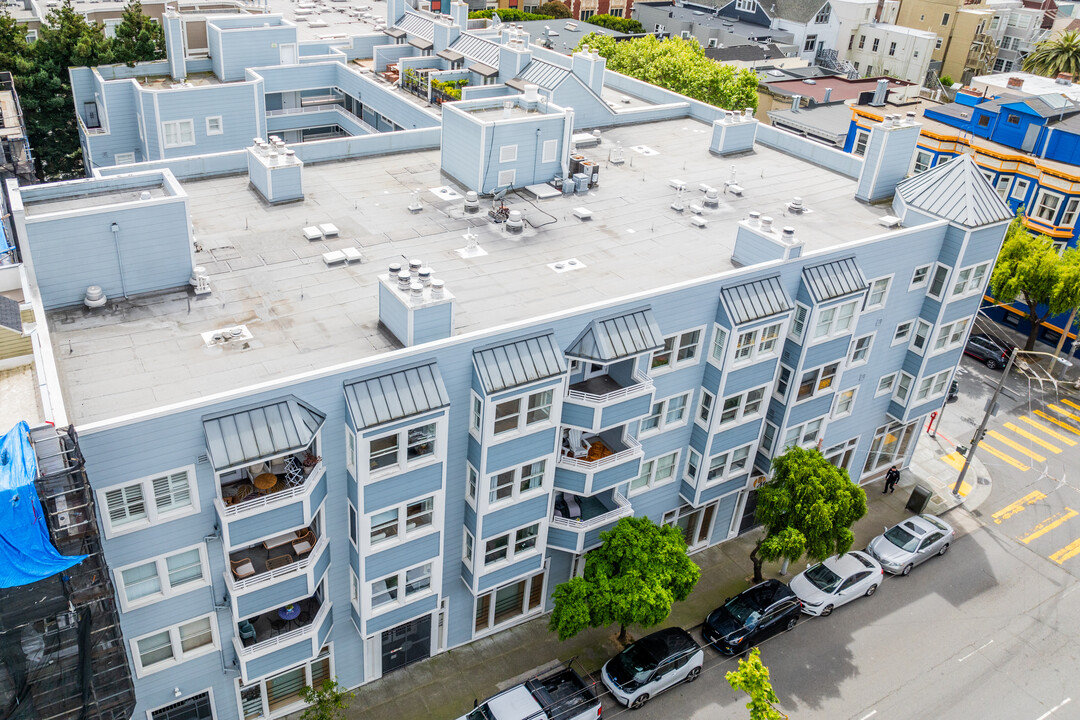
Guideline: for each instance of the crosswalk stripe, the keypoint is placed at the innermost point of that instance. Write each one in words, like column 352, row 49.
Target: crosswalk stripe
column 1070, row 550
column 1016, row 446
column 1002, row 456
column 1048, row 430
column 1032, row 437
column 1049, row 524
column 955, row 459
column 1063, row 411
column 1057, row 422
column 1070, row 403
column 1014, row 507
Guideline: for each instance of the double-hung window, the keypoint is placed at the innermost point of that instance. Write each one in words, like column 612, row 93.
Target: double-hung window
column 728, row 464
column 798, row 322
column 783, row 383
column 655, row 472
column 693, row 463
column 816, row 381
column 175, row 644
column 705, row 405
column 719, row 345
column 903, row 387
column 1046, row 206
column 860, row 350
column 932, row 386
column 902, row 332
column 768, row 437
column 757, row 344
column 401, row 587
column 805, row 435
column 668, row 413
column 1072, row 208
column 951, row 336
column 919, row 277
column 922, row 332
column 885, row 384
column 508, row 546
column 845, row 401
column 417, row 516
column 520, row 414
column 742, row 406
column 476, row 415
column 402, row 449
column 879, row 291
column 149, row 501
column 1020, row 189
column 162, row 577
column 514, row 483
column 970, row 280
column 937, row 282
column 835, row 320
column 679, row 351
column 862, row 137
column 178, row 133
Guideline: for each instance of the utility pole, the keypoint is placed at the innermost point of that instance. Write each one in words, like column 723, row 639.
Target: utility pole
column 982, row 426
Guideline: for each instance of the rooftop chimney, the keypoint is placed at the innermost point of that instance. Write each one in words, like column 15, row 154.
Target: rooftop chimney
column 828, row 94
column 413, row 306
column 275, row 172
column 757, row 241
column 887, row 158
column 1064, row 78
column 1015, row 83
column 734, row 133
column 589, row 68
column 881, row 93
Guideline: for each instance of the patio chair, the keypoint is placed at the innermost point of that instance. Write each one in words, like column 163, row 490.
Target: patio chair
column 303, row 543
column 242, row 568
column 573, row 509
column 576, row 444
column 246, row 630
column 278, row 561
column 294, row 472
column 242, row 491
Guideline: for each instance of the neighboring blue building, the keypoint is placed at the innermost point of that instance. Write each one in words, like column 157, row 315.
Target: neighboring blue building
column 311, row 467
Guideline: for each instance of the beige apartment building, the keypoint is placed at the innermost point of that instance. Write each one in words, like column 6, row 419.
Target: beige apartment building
column 964, row 46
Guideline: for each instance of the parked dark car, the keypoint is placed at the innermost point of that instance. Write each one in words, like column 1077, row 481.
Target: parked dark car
column 751, row 616
column 991, row 352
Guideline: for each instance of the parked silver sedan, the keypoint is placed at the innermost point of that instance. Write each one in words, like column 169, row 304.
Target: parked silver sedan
column 913, row 541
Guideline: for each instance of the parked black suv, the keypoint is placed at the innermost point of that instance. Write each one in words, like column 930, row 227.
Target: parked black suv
column 751, row 616
column 991, row 352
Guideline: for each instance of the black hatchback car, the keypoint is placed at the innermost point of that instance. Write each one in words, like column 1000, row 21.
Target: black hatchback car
column 751, row 616
column 987, row 350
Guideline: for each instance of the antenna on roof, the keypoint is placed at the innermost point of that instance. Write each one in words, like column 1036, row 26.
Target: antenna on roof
column 499, row 194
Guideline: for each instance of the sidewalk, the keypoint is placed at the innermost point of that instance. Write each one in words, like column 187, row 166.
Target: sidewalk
column 444, row 687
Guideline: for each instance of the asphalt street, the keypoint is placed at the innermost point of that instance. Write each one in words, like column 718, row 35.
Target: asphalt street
column 987, row 631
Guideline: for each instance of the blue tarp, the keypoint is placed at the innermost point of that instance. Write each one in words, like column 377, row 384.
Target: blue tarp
column 26, row 553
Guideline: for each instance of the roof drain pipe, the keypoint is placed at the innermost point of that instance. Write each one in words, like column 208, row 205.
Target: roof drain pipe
column 119, row 258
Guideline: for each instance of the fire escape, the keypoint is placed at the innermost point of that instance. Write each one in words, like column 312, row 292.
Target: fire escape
column 981, row 56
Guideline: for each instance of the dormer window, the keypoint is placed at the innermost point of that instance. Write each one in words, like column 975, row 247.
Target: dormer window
column 746, row 5
column 822, row 16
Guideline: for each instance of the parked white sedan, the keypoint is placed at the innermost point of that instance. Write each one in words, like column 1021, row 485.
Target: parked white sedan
column 840, row 579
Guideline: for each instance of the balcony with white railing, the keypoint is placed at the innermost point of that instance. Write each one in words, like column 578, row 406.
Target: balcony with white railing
column 282, row 637
column 604, row 401
column 257, row 505
column 590, row 462
column 578, row 520
column 604, row 389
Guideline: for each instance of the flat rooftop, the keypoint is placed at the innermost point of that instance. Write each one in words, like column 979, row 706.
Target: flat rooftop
column 148, row 351
column 331, row 19
column 47, row 205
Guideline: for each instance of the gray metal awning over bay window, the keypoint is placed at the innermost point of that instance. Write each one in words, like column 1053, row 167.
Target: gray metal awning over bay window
column 249, row 434
column 755, row 300
column 520, row 362
column 482, row 69
column 395, row 33
column 451, row 55
column 835, row 279
column 618, row 337
column 392, row 396
column 421, row 43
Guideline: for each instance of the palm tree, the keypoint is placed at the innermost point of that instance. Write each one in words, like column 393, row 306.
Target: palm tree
column 1061, row 54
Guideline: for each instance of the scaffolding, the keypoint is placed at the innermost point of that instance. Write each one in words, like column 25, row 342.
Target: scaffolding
column 62, row 655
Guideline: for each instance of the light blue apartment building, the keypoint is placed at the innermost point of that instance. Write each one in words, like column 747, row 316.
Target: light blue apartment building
column 309, row 467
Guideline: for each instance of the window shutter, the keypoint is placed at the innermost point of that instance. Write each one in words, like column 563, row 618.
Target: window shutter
column 125, row 505
column 171, row 492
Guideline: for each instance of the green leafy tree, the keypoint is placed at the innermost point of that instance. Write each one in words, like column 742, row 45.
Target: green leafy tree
column 555, row 9
column 329, row 702
column 680, row 66
column 633, row 578
column 508, row 15
column 1056, row 55
column 137, row 38
column 946, row 80
column 618, row 24
column 1030, row 270
column 808, row 506
column 752, row 677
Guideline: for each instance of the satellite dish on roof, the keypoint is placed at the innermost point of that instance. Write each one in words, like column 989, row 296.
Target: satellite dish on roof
column 500, row 194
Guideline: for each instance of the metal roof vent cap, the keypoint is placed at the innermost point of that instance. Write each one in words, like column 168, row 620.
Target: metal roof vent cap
column 766, row 223
column 414, row 267
column 911, row 116
column 796, row 206
column 472, row 202
column 95, row 297
column 437, row 289
column 514, row 223
column 144, row 195
column 425, row 276
column 403, row 280
column 395, row 269
column 416, row 292
column 754, row 218
column 788, row 235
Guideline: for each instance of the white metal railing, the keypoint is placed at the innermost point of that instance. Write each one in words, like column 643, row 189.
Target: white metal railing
column 642, row 383
column 308, row 630
column 262, row 501
column 323, row 108
column 633, row 447
column 243, row 584
column 622, row 509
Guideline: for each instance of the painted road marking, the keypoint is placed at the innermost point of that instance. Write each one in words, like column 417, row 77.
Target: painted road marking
column 1049, row 524
column 1011, row 509
column 1069, row 551
column 1048, row 431
column 1032, row 437
column 1070, row 403
column 1002, row 456
column 955, row 459
column 1057, row 422
column 1054, row 709
column 872, row 713
column 1063, row 411
column 1016, row 446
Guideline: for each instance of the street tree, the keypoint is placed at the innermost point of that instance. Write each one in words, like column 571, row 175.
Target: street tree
column 555, row 9
column 807, row 507
column 633, row 578
column 752, row 677
column 329, row 701
column 1060, row 54
column 509, row 15
column 137, row 38
column 618, row 24
column 1029, row 270
column 680, row 66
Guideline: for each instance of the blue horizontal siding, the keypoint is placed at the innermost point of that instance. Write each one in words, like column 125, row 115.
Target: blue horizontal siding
column 510, row 572
column 405, row 555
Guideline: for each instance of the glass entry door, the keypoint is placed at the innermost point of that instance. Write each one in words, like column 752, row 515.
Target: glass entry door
column 406, row 644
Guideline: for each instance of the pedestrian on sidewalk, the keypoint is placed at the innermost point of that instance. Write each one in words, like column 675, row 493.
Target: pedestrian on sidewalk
column 891, row 478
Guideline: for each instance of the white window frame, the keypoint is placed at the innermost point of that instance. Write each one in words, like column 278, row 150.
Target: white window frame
column 950, row 336
column 153, row 515
column 823, row 14
column 512, row 553
column 844, row 397
column 930, row 293
column 220, row 125
column 517, row 474
column 902, row 389
column 354, row 590
column 862, row 142
column 932, row 386
column 902, row 333
column 854, row 347
column 746, row 5
column 718, row 346
column 706, row 405
column 402, row 531
column 350, row 451
column 800, row 431
column 741, row 406
column 679, row 344
column 653, row 481
column 761, row 343
column 468, row 549
column 923, row 330
column 693, row 465
column 1072, row 210
column 969, row 281
column 476, row 415
column 401, row 599
column 768, row 439
column 662, row 423
column 924, row 281
column 179, row 656
column 830, row 326
column 1040, row 210
column 354, row 526
column 725, row 460
column 1002, row 186
column 1020, row 189
column 783, row 387
column 800, row 317
column 875, row 287
column 810, row 43
column 161, row 570
column 174, row 127
column 492, row 627
column 819, row 378
column 886, row 383
column 402, row 462
column 523, row 424
column 472, row 483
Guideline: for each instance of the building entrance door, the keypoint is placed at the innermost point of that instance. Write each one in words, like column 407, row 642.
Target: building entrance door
column 406, row 644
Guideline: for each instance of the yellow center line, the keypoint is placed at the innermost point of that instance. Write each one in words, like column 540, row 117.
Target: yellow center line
column 1048, row 430
column 1012, row 508
column 1070, row 403
column 955, row 459
column 1063, row 411
column 1049, row 524
column 1057, row 422
column 1032, row 437
column 1002, row 456
column 1070, row 550
column 1016, row 446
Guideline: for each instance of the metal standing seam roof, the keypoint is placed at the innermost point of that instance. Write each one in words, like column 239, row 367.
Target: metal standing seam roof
column 755, row 300
column 10, row 315
column 618, row 337
column 544, row 74
column 416, row 25
column 519, row 362
column 395, row 395
column 834, row 279
column 252, row 433
column 477, row 49
column 956, row 191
